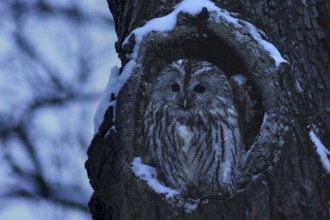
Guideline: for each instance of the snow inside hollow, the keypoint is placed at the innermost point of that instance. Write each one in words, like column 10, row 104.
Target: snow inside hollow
column 322, row 151
column 240, row 79
column 149, row 174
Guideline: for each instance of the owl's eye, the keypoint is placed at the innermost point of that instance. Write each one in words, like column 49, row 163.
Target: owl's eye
column 175, row 87
column 199, row 88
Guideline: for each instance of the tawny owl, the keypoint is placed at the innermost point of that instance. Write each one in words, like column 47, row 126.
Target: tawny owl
column 191, row 129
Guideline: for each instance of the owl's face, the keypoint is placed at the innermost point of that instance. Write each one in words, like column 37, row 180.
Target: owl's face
column 190, row 84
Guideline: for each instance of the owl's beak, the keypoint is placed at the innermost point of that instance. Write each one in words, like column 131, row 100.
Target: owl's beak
column 184, row 103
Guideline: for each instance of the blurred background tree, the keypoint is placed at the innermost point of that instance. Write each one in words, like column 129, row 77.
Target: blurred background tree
column 54, row 60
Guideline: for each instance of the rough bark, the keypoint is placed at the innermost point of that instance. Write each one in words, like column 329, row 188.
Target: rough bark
column 282, row 176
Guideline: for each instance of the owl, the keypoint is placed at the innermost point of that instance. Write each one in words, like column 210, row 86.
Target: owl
column 191, row 129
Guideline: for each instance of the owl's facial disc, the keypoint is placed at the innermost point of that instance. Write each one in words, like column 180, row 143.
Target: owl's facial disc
column 181, row 99
column 186, row 98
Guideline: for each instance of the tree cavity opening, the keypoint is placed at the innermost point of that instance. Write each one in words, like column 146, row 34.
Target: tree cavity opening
column 206, row 45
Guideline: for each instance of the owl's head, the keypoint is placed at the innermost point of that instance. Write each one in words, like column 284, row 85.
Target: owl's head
column 190, row 84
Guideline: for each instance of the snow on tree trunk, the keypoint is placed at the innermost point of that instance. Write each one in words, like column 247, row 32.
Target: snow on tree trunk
column 281, row 49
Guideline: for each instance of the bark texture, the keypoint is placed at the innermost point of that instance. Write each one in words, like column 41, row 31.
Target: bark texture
column 282, row 177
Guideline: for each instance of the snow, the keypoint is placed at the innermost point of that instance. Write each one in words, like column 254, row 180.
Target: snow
column 322, row 151
column 264, row 120
column 267, row 46
column 149, row 174
column 194, row 7
column 240, row 79
column 167, row 23
column 298, row 87
column 190, row 205
column 105, row 102
column 113, row 87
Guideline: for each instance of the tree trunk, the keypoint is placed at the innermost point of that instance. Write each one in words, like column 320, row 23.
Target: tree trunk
column 283, row 175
